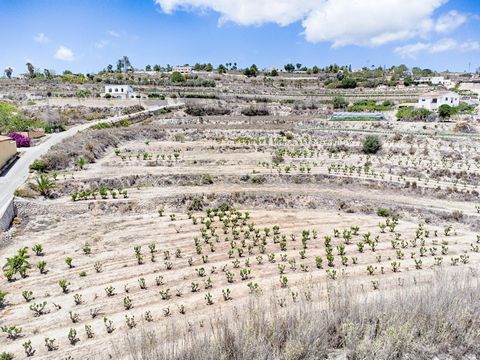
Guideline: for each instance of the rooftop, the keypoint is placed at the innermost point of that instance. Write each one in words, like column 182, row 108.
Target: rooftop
column 5, row 138
column 437, row 93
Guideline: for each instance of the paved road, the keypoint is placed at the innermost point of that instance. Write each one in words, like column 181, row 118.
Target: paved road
column 18, row 173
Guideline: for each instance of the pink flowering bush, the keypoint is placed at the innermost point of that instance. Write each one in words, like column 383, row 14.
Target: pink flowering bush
column 22, row 141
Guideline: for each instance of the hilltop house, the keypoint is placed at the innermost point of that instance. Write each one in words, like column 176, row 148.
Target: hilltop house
column 183, row 69
column 8, row 149
column 433, row 100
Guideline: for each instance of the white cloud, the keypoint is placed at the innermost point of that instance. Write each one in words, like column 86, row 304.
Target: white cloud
column 369, row 22
column 113, row 33
column 65, row 54
column 247, row 12
column 470, row 46
column 341, row 22
column 450, row 22
column 411, row 50
column 442, row 45
column 41, row 38
column 102, row 44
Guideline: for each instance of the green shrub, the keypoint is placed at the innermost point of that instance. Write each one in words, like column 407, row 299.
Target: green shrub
column 408, row 113
column 176, row 77
column 371, row 144
column 384, row 212
column 39, row 165
column 102, row 125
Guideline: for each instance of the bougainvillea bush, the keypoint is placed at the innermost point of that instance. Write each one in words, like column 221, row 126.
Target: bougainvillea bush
column 22, row 141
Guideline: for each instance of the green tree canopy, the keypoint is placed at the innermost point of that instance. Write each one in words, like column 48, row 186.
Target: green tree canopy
column 176, row 77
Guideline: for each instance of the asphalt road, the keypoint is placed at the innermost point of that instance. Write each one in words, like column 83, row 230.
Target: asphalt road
column 18, row 173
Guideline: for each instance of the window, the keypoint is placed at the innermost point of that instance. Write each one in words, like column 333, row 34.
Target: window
column 116, row 89
column 110, row 90
column 121, row 90
column 434, row 101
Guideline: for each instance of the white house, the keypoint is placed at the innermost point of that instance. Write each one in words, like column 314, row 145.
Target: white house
column 433, row 100
column 183, row 69
column 436, row 80
column 120, row 91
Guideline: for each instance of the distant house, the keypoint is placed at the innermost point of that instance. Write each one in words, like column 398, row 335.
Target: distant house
column 436, row 80
column 433, row 100
column 8, row 149
column 119, row 91
column 122, row 92
column 183, row 69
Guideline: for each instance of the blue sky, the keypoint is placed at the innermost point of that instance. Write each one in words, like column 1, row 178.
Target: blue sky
column 87, row 35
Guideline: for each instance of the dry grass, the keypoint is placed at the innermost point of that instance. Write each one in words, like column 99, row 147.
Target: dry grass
column 437, row 318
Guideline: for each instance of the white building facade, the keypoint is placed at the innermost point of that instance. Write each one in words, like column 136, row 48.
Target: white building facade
column 432, row 101
column 120, row 91
column 436, row 80
column 183, row 69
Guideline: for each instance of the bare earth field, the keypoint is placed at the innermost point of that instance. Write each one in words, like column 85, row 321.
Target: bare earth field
column 172, row 234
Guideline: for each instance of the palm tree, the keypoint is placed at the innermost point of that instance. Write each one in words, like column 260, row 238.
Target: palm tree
column 31, row 70
column 120, row 65
column 44, row 185
column 8, row 72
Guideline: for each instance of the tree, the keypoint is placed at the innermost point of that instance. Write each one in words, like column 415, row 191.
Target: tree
column 31, row 70
column 251, row 71
column 446, row 111
column 315, row 69
column 298, row 65
column 348, row 83
column 8, row 72
column 119, row 65
column 274, row 72
column 47, row 73
column 148, row 68
column 109, row 68
column 407, row 81
column 289, row 67
column 209, row 67
column 222, row 69
column 339, row 102
column 126, row 64
column 176, row 77
column 156, row 68
column 371, row 144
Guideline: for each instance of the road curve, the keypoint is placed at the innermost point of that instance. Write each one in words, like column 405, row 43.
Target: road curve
column 18, row 173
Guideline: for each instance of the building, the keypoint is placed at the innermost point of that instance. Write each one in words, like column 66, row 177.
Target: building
column 433, row 100
column 8, row 150
column 119, row 91
column 436, row 80
column 357, row 116
column 33, row 133
column 183, row 69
